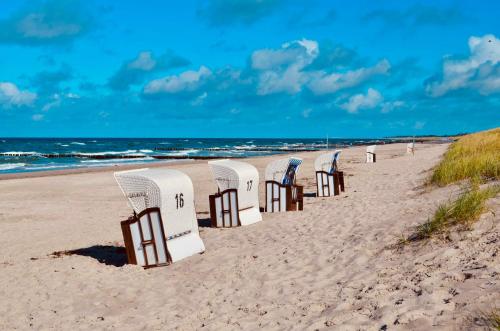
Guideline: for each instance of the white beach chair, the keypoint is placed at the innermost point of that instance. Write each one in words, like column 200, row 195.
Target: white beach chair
column 282, row 192
column 329, row 180
column 237, row 202
column 164, row 227
column 371, row 157
column 410, row 148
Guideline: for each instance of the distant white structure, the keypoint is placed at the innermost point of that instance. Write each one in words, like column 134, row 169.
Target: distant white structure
column 282, row 192
column 371, row 157
column 164, row 227
column 329, row 180
column 237, row 202
column 410, row 148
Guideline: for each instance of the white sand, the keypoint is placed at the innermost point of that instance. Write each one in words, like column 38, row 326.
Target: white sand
column 328, row 267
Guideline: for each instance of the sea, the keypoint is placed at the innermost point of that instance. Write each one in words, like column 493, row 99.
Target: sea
column 45, row 154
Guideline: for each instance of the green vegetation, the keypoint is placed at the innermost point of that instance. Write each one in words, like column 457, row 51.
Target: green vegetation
column 495, row 320
column 475, row 156
column 464, row 212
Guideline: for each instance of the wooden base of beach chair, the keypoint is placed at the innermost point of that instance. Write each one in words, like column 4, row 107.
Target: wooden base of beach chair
column 371, row 157
column 145, row 240
column 281, row 197
column 224, row 210
column 329, row 184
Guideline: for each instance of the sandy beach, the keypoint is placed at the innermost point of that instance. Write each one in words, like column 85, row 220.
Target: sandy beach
column 332, row 266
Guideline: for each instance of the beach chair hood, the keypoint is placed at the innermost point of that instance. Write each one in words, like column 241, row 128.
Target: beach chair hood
column 324, row 162
column 276, row 170
column 371, row 148
column 172, row 192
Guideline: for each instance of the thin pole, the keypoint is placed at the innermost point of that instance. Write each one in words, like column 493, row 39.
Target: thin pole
column 327, row 141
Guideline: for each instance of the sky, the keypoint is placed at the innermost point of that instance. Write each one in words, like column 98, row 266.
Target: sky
column 248, row 68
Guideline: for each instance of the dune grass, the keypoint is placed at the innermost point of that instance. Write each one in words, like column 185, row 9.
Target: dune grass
column 463, row 211
column 495, row 320
column 475, row 156
column 490, row 320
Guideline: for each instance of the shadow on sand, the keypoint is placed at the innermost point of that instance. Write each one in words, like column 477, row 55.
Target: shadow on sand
column 204, row 222
column 109, row 255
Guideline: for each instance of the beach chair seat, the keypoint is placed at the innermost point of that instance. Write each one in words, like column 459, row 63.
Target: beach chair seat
column 329, row 180
column 371, row 157
column 164, row 228
column 237, row 201
column 282, row 192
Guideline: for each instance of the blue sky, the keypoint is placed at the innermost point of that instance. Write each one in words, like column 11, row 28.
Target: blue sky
column 248, row 68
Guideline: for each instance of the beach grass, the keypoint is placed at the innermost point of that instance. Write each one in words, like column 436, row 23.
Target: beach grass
column 495, row 320
column 474, row 157
column 464, row 211
column 491, row 320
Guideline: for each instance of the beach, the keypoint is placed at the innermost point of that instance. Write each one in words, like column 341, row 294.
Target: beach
column 335, row 265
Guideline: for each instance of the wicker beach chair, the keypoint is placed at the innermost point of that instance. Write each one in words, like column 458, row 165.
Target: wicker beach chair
column 237, row 200
column 329, row 180
column 371, row 157
column 410, row 148
column 282, row 191
column 164, row 227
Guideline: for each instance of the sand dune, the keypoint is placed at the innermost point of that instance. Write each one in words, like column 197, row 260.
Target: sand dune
column 331, row 266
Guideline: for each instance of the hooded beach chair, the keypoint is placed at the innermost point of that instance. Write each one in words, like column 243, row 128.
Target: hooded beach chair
column 164, row 227
column 410, row 148
column 329, row 180
column 237, row 200
column 371, row 157
column 282, row 192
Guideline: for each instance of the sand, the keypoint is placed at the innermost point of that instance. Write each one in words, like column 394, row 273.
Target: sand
column 332, row 266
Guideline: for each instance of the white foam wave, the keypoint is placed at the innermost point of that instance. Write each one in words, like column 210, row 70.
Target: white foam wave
column 184, row 152
column 10, row 166
column 77, row 143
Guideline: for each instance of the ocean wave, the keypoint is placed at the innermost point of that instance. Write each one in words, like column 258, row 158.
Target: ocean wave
column 132, row 152
column 114, row 161
column 145, row 151
column 183, row 152
column 78, row 143
column 245, row 146
column 11, row 166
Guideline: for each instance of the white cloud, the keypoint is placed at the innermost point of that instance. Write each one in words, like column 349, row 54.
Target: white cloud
column 323, row 83
column 36, row 26
column 56, row 102
column 144, row 61
column 289, row 80
column 37, row 117
column 306, row 113
column 11, row 95
column 297, row 52
column 363, row 101
column 199, row 99
column 480, row 71
column 187, row 81
column 391, row 105
column 281, row 69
